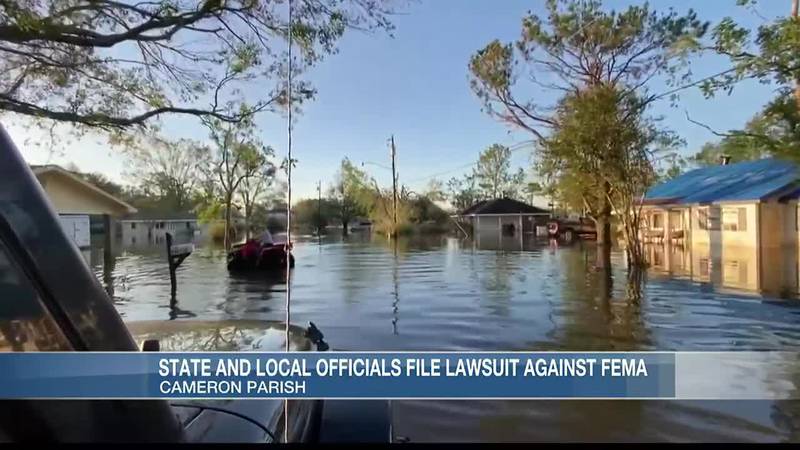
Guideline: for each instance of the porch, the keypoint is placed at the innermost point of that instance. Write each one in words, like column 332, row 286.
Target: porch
column 666, row 224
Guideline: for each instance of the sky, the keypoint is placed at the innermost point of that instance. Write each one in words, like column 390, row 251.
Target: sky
column 415, row 86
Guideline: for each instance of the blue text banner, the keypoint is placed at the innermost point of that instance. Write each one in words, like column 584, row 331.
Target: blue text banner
column 394, row 375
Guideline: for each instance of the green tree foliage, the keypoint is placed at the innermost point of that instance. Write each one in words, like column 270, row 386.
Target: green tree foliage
column 167, row 171
column 350, row 193
column 574, row 46
column 463, row 192
column 382, row 211
column 424, row 210
column 311, row 214
column 238, row 154
column 769, row 53
column 674, row 166
column 113, row 64
column 775, row 131
column 531, row 190
column 494, row 176
column 737, row 148
column 578, row 44
column 102, row 182
column 605, row 145
column 255, row 188
column 435, row 191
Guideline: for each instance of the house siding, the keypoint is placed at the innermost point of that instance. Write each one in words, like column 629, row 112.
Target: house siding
column 69, row 197
column 495, row 223
column 726, row 237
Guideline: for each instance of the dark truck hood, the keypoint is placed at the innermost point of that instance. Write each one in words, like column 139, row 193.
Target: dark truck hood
column 233, row 420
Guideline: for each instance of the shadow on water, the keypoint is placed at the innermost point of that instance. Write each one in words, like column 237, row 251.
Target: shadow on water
column 506, row 293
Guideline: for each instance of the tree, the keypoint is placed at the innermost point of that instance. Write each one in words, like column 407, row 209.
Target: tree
column 254, row 188
column 770, row 54
column 102, row 182
column 314, row 215
column 674, row 167
column 493, row 173
column 604, row 138
column 380, row 204
column 574, row 46
column 238, row 155
column 111, row 65
column 435, row 191
column 350, row 192
column 531, row 190
column 168, row 170
column 775, row 131
column 462, row 192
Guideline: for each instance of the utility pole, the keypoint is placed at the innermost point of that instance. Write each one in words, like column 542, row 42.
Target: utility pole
column 394, row 188
column 319, row 207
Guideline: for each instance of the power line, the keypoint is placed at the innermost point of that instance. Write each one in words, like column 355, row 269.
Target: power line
column 516, row 147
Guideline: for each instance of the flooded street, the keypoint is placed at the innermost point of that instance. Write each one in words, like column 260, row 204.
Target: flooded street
column 443, row 293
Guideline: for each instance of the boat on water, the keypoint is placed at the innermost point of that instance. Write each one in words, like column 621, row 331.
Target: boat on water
column 252, row 255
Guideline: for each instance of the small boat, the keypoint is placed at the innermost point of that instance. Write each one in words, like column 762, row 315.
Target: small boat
column 253, row 256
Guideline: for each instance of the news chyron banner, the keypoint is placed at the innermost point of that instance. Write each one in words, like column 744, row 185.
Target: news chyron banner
column 400, row 375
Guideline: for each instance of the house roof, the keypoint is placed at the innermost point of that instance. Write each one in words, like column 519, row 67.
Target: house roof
column 40, row 171
column 502, row 206
column 747, row 180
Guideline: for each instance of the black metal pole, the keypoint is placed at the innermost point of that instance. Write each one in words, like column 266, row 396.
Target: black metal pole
column 172, row 266
column 394, row 190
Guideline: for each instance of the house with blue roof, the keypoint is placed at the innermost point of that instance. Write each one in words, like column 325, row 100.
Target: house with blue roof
column 750, row 203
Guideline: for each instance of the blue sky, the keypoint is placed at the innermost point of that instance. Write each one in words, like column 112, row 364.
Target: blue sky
column 416, row 87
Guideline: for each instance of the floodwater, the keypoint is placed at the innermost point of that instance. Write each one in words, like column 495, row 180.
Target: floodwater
column 445, row 293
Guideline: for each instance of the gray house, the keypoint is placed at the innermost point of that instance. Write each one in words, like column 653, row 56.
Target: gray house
column 504, row 215
column 151, row 227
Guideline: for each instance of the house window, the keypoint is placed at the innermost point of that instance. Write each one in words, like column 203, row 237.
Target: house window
column 705, row 267
column 188, row 225
column 702, row 218
column 675, row 220
column 734, row 273
column 657, row 221
column 734, row 219
column 133, row 225
column 708, row 218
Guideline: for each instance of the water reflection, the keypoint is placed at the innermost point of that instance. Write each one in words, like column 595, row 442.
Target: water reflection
column 770, row 271
column 219, row 336
column 505, row 293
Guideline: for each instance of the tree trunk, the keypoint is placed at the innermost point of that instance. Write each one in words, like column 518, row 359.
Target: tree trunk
column 345, row 231
column 247, row 231
column 633, row 288
column 603, row 230
column 227, row 239
column 635, row 251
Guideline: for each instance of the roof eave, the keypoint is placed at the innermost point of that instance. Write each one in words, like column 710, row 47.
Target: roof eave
column 129, row 209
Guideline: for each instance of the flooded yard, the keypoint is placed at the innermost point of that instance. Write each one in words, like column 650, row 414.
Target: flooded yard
column 445, row 293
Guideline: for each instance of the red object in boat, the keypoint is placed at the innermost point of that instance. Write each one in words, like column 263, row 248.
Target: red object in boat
column 253, row 256
column 250, row 249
